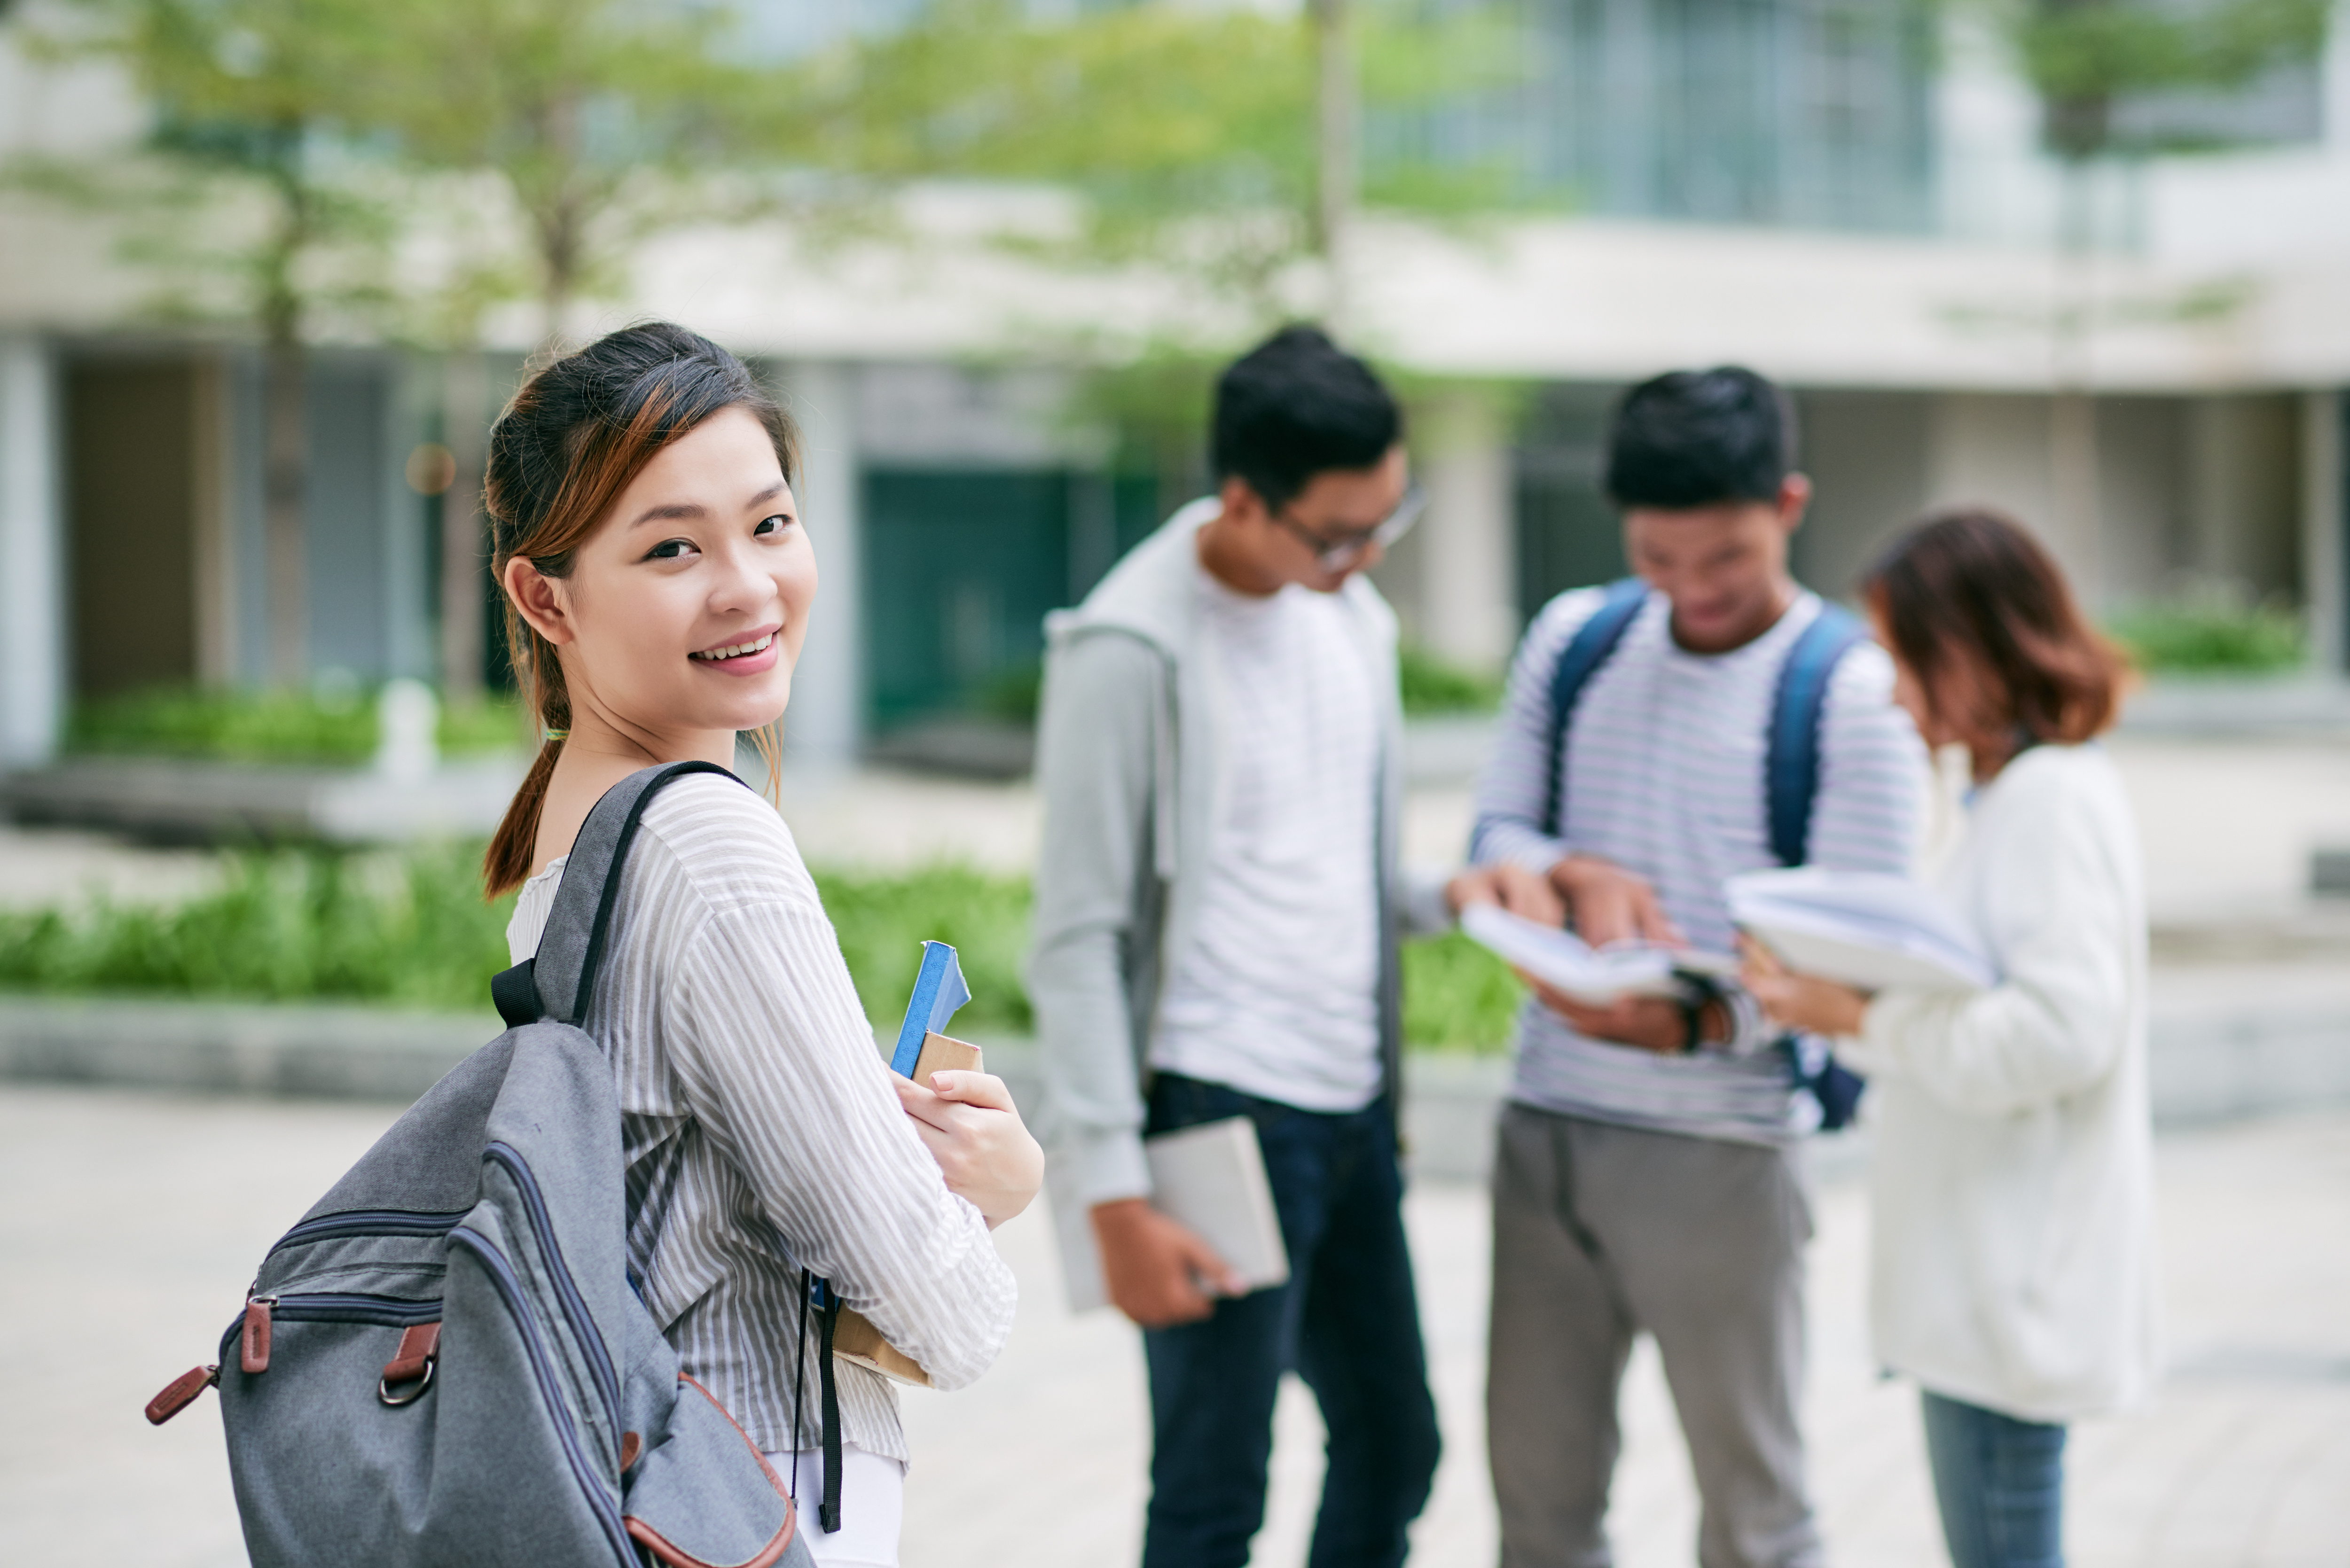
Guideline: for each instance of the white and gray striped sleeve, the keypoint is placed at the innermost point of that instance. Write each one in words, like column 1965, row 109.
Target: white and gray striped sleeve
column 777, row 1059
column 1514, row 789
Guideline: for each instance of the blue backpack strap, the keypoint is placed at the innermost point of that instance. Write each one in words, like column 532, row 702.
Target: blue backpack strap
column 1585, row 652
column 1791, row 769
column 1791, row 779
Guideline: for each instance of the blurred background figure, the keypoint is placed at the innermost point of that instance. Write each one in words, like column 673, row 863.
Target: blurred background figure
column 2011, row 1180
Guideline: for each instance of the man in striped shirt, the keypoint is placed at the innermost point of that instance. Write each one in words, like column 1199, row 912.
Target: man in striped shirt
column 1644, row 1178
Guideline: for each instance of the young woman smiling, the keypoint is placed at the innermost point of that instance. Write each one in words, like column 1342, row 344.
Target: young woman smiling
column 2012, row 1204
column 659, row 585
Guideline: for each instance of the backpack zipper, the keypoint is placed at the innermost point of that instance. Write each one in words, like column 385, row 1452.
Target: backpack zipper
column 574, row 1307
column 509, row 1289
column 330, row 1306
column 370, row 1222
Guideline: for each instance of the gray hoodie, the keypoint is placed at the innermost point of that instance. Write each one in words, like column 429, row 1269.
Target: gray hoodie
column 1131, row 766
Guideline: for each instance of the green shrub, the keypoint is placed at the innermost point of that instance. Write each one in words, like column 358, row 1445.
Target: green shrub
column 884, row 918
column 296, row 923
column 324, row 728
column 1456, row 996
column 412, row 930
column 2211, row 637
column 1430, row 685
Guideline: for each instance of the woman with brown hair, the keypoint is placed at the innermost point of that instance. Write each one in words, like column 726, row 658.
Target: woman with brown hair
column 658, row 584
column 2012, row 1157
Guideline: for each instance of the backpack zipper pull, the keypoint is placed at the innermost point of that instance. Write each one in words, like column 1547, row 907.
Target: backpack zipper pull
column 253, row 1354
column 180, row 1393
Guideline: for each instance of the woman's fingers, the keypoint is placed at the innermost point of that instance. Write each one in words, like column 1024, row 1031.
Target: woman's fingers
column 985, row 1089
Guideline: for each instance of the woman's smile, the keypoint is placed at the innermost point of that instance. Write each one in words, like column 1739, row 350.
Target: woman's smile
column 749, row 655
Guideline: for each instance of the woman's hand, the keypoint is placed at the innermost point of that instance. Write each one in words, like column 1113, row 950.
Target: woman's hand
column 1799, row 1001
column 972, row 1129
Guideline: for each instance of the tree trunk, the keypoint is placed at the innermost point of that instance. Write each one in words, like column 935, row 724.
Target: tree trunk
column 284, row 443
column 561, row 223
column 2076, row 481
column 464, row 557
column 1336, row 168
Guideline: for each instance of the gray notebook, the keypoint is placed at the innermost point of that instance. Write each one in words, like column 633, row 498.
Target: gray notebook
column 1211, row 1178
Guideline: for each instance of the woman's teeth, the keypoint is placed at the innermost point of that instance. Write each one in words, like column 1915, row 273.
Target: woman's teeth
column 737, row 650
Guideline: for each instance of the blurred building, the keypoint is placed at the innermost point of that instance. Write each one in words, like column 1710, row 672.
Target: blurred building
column 1846, row 196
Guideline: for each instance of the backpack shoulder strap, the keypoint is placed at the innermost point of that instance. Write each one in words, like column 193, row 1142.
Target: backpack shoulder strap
column 1585, row 652
column 1791, row 775
column 556, row 983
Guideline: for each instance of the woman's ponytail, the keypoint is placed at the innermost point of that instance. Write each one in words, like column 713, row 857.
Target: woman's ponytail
column 515, row 845
column 576, row 435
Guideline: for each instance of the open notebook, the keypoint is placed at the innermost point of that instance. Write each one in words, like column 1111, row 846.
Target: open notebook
column 1566, row 963
column 1863, row 929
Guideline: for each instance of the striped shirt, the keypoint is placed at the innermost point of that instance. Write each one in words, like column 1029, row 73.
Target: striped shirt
column 760, row 1130
column 1663, row 775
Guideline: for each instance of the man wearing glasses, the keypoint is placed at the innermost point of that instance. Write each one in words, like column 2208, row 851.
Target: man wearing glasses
column 1218, row 908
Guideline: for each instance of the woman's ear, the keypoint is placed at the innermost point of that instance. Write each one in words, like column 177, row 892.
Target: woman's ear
column 539, row 599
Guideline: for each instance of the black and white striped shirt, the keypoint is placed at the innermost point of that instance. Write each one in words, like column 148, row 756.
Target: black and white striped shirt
column 760, row 1130
column 1664, row 775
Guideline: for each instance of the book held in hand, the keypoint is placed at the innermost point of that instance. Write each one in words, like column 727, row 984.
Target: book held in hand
column 1210, row 1179
column 921, row 1050
column 1863, row 929
column 1566, row 963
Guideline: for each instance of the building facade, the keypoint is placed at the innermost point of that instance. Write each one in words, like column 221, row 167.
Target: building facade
column 1833, row 194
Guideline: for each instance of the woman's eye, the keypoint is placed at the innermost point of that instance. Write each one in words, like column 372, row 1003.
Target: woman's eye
column 671, row 550
column 775, row 524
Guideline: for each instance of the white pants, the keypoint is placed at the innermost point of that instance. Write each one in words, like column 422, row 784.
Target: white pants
column 873, row 1506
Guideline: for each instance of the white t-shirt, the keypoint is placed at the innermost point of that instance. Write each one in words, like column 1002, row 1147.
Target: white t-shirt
column 1278, row 993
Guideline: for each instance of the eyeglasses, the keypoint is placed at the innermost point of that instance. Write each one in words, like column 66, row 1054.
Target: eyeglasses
column 1337, row 554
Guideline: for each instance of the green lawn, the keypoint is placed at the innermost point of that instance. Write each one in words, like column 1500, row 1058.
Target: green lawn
column 412, row 930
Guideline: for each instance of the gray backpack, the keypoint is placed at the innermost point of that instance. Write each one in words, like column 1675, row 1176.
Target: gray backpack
column 443, row 1366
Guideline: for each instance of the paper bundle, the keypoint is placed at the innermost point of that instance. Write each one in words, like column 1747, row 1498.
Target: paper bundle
column 1862, row 929
column 1566, row 963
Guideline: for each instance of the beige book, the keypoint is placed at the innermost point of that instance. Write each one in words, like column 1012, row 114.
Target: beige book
column 853, row 1337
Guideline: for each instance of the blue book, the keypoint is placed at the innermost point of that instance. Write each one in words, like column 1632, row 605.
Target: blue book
column 938, row 990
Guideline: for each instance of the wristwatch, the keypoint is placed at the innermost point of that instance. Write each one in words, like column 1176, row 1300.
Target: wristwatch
column 1697, row 993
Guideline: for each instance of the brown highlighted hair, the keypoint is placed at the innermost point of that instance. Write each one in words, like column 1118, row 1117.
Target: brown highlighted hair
column 1972, row 585
column 575, row 437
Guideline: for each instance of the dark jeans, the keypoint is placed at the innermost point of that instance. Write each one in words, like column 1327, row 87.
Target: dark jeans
column 2000, row 1485
column 1347, row 1322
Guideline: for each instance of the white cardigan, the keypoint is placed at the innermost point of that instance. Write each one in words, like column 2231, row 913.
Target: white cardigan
column 2013, row 1256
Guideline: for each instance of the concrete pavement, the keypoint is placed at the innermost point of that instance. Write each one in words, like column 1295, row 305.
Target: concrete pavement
column 135, row 1221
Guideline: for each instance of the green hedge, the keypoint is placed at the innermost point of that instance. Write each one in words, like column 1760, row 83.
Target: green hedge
column 1431, row 685
column 318, row 728
column 2210, row 638
column 412, row 930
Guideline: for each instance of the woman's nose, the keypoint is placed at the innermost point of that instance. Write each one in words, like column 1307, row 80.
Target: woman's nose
column 741, row 584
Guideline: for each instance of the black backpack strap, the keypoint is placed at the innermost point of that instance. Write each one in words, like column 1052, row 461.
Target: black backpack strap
column 1792, row 767
column 1580, row 659
column 557, row 981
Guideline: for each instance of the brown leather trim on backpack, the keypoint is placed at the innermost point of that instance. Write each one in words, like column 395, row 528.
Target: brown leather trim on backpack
column 409, row 1373
column 418, row 1346
column 252, row 1352
column 180, row 1393
column 653, row 1541
column 630, row 1443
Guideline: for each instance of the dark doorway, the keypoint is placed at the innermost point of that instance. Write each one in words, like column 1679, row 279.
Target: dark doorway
column 131, row 497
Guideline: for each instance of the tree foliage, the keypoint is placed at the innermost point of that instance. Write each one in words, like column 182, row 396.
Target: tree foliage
column 2081, row 55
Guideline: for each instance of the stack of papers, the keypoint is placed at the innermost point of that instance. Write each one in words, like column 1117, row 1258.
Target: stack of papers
column 1863, row 929
column 1566, row 963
